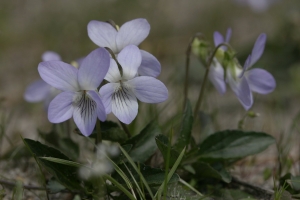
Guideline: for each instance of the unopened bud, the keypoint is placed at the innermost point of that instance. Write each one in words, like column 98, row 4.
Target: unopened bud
column 253, row 114
column 200, row 48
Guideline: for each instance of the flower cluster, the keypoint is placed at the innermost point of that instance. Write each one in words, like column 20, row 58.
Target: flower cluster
column 242, row 80
column 130, row 72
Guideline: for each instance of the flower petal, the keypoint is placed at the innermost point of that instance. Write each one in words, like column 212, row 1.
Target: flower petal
column 258, row 48
column 148, row 89
column 228, row 35
column 218, row 38
column 93, row 69
column 242, row 90
column 150, row 66
column 85, row 113
column 132, row 32
column 37, row 91
column 260, row 81
column 60, row 108
column 59, row 74
column 124, row 105
column 50, row 55
column 130, row 59
column 101, row 113
column 216, row 76
column 106, row 93
column 103, row 34
column 113, row 74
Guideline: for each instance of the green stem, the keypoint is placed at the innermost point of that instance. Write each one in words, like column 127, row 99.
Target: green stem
column 187, row 66
column 114, row 57
column 125, row 128
column 99, row 136
column 201, row 94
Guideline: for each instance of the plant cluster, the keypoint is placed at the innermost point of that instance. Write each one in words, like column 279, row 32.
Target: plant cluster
column 112, row 79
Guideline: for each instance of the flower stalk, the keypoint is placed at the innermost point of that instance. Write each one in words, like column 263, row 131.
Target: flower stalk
column 99, row 135
column 201, row 94
column 187, row 66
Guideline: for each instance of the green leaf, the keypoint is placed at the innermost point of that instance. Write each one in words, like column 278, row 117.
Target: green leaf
column 68, row 146
column 295, row 183
column 64, row 174
column 144, row 143
column 204, row 170
column 110, row 131
column 186, row 128
column 153, row 176
column 234, row 144
column 162, row 143
column 63, row 162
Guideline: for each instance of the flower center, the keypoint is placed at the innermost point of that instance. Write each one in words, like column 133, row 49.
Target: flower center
column 121, row 95
column 85, row 104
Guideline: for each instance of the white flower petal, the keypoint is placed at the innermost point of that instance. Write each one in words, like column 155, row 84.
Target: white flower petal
column 103, row 34
column 113, row 74
column 101, row 113
column 85, row 113
column 242, row 90
column 60, row 108
column 148, row 89
column 59, row 74
column 132, row 32
column 124, row 105
column 216, row 76
column 150, row 66
column 106, row 93
column 130, row 59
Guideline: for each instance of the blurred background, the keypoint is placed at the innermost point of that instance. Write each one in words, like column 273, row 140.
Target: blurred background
column 28, row 28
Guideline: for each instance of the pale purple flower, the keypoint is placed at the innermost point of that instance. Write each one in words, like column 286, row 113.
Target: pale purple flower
column 132, row 32
column 216, row 71
column 244, row 81
column 80, row 97
column 257, row 5
column 39, row 90
column 121, row 94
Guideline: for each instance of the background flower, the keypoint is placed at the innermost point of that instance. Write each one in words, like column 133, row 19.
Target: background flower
column 131, row 33
column 39, row 90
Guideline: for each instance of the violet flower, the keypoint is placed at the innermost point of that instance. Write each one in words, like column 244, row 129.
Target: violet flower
column 244, row 81
column 216, row 71
column 121, row 94
column 241, row 80
column 133, row 32
column 257, row 5
column 256, row 80
column 79, row 98
column 39, row 90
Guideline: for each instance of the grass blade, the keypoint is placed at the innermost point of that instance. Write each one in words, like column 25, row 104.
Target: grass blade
column 172, row 171
column 137, row 170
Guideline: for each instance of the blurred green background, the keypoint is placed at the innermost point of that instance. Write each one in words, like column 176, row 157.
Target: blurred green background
column 30, row 27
